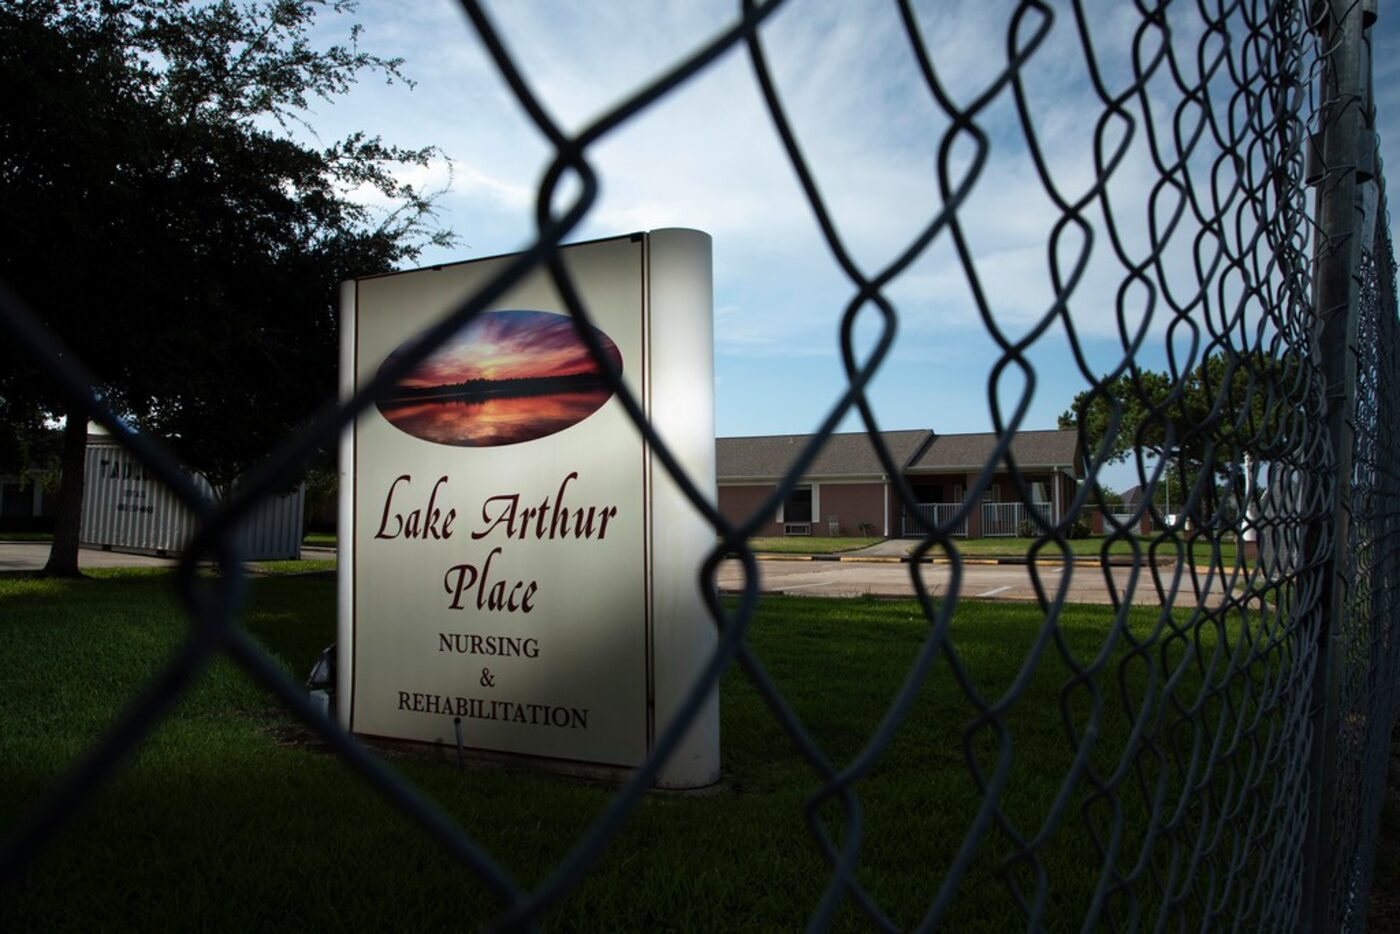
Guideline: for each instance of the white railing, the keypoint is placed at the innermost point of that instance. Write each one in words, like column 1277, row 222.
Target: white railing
column 935, row 514
column 998, row 519
column 1003, row 519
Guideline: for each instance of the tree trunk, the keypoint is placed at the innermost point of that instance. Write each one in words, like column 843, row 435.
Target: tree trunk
column 63, row 554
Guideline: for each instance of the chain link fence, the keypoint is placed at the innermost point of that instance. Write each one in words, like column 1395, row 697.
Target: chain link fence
column 1247, row 669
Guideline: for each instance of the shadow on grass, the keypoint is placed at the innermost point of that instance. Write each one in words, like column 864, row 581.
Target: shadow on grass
column 215, row 824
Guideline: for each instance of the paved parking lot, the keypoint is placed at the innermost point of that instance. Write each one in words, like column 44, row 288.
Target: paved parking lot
column 849, row 578
column 30, row 556
column 1086, row 583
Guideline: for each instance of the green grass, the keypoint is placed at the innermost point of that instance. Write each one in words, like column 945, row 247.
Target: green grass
column 216, row 824
column 296, row 566
column 26, row 536
column 810, row 544
column 319, row 539
column 1200, row 551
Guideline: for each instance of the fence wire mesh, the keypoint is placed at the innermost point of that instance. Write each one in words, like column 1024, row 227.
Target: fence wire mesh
column 1225, row 731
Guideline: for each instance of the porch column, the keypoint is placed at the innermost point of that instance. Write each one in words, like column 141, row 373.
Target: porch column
column 1055, row 495
column 886, row 486
column 974, row 518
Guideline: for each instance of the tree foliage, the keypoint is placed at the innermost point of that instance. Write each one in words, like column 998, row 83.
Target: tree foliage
column 1202, row 424
column 1223, row 408
column 164, row 218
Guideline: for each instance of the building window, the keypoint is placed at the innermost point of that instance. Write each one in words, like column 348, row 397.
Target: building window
column 798, row 506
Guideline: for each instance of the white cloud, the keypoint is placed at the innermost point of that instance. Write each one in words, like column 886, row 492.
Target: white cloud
column 707, row 155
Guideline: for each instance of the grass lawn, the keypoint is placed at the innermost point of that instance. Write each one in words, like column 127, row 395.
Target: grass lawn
column 810, row 544
column 218, row 824
column 1199, row 552
column 296, row 566
column 820, row 545
column 26, row 536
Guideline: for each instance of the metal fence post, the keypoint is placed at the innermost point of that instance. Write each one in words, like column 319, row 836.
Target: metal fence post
column 1336, row 268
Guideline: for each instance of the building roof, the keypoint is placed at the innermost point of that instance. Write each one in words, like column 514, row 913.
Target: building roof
column 970, row 451
column 852, row 455
column 1132, row 495
column 844, row 455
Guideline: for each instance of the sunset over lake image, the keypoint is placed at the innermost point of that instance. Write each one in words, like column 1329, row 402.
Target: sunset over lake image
column 506, row 377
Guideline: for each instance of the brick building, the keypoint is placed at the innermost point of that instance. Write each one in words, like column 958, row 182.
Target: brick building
column 847, row 490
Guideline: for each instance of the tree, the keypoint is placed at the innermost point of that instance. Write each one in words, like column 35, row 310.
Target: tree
column 1110, row 496
column 1203, row 424
column 164, row 220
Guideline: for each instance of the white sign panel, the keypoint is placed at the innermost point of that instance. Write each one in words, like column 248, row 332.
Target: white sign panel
column 513, row 564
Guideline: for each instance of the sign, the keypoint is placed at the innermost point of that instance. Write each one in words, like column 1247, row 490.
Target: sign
column 513, row 562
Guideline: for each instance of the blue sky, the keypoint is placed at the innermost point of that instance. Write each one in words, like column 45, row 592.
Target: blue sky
column 709, row 157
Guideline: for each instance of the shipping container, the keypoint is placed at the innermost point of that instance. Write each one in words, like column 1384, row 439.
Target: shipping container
column 126, row 509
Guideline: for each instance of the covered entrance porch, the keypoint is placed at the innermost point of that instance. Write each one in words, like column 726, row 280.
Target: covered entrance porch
column 941, row 500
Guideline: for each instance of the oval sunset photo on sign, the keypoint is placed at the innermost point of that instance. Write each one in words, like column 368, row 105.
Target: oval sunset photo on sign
column 504, row 378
